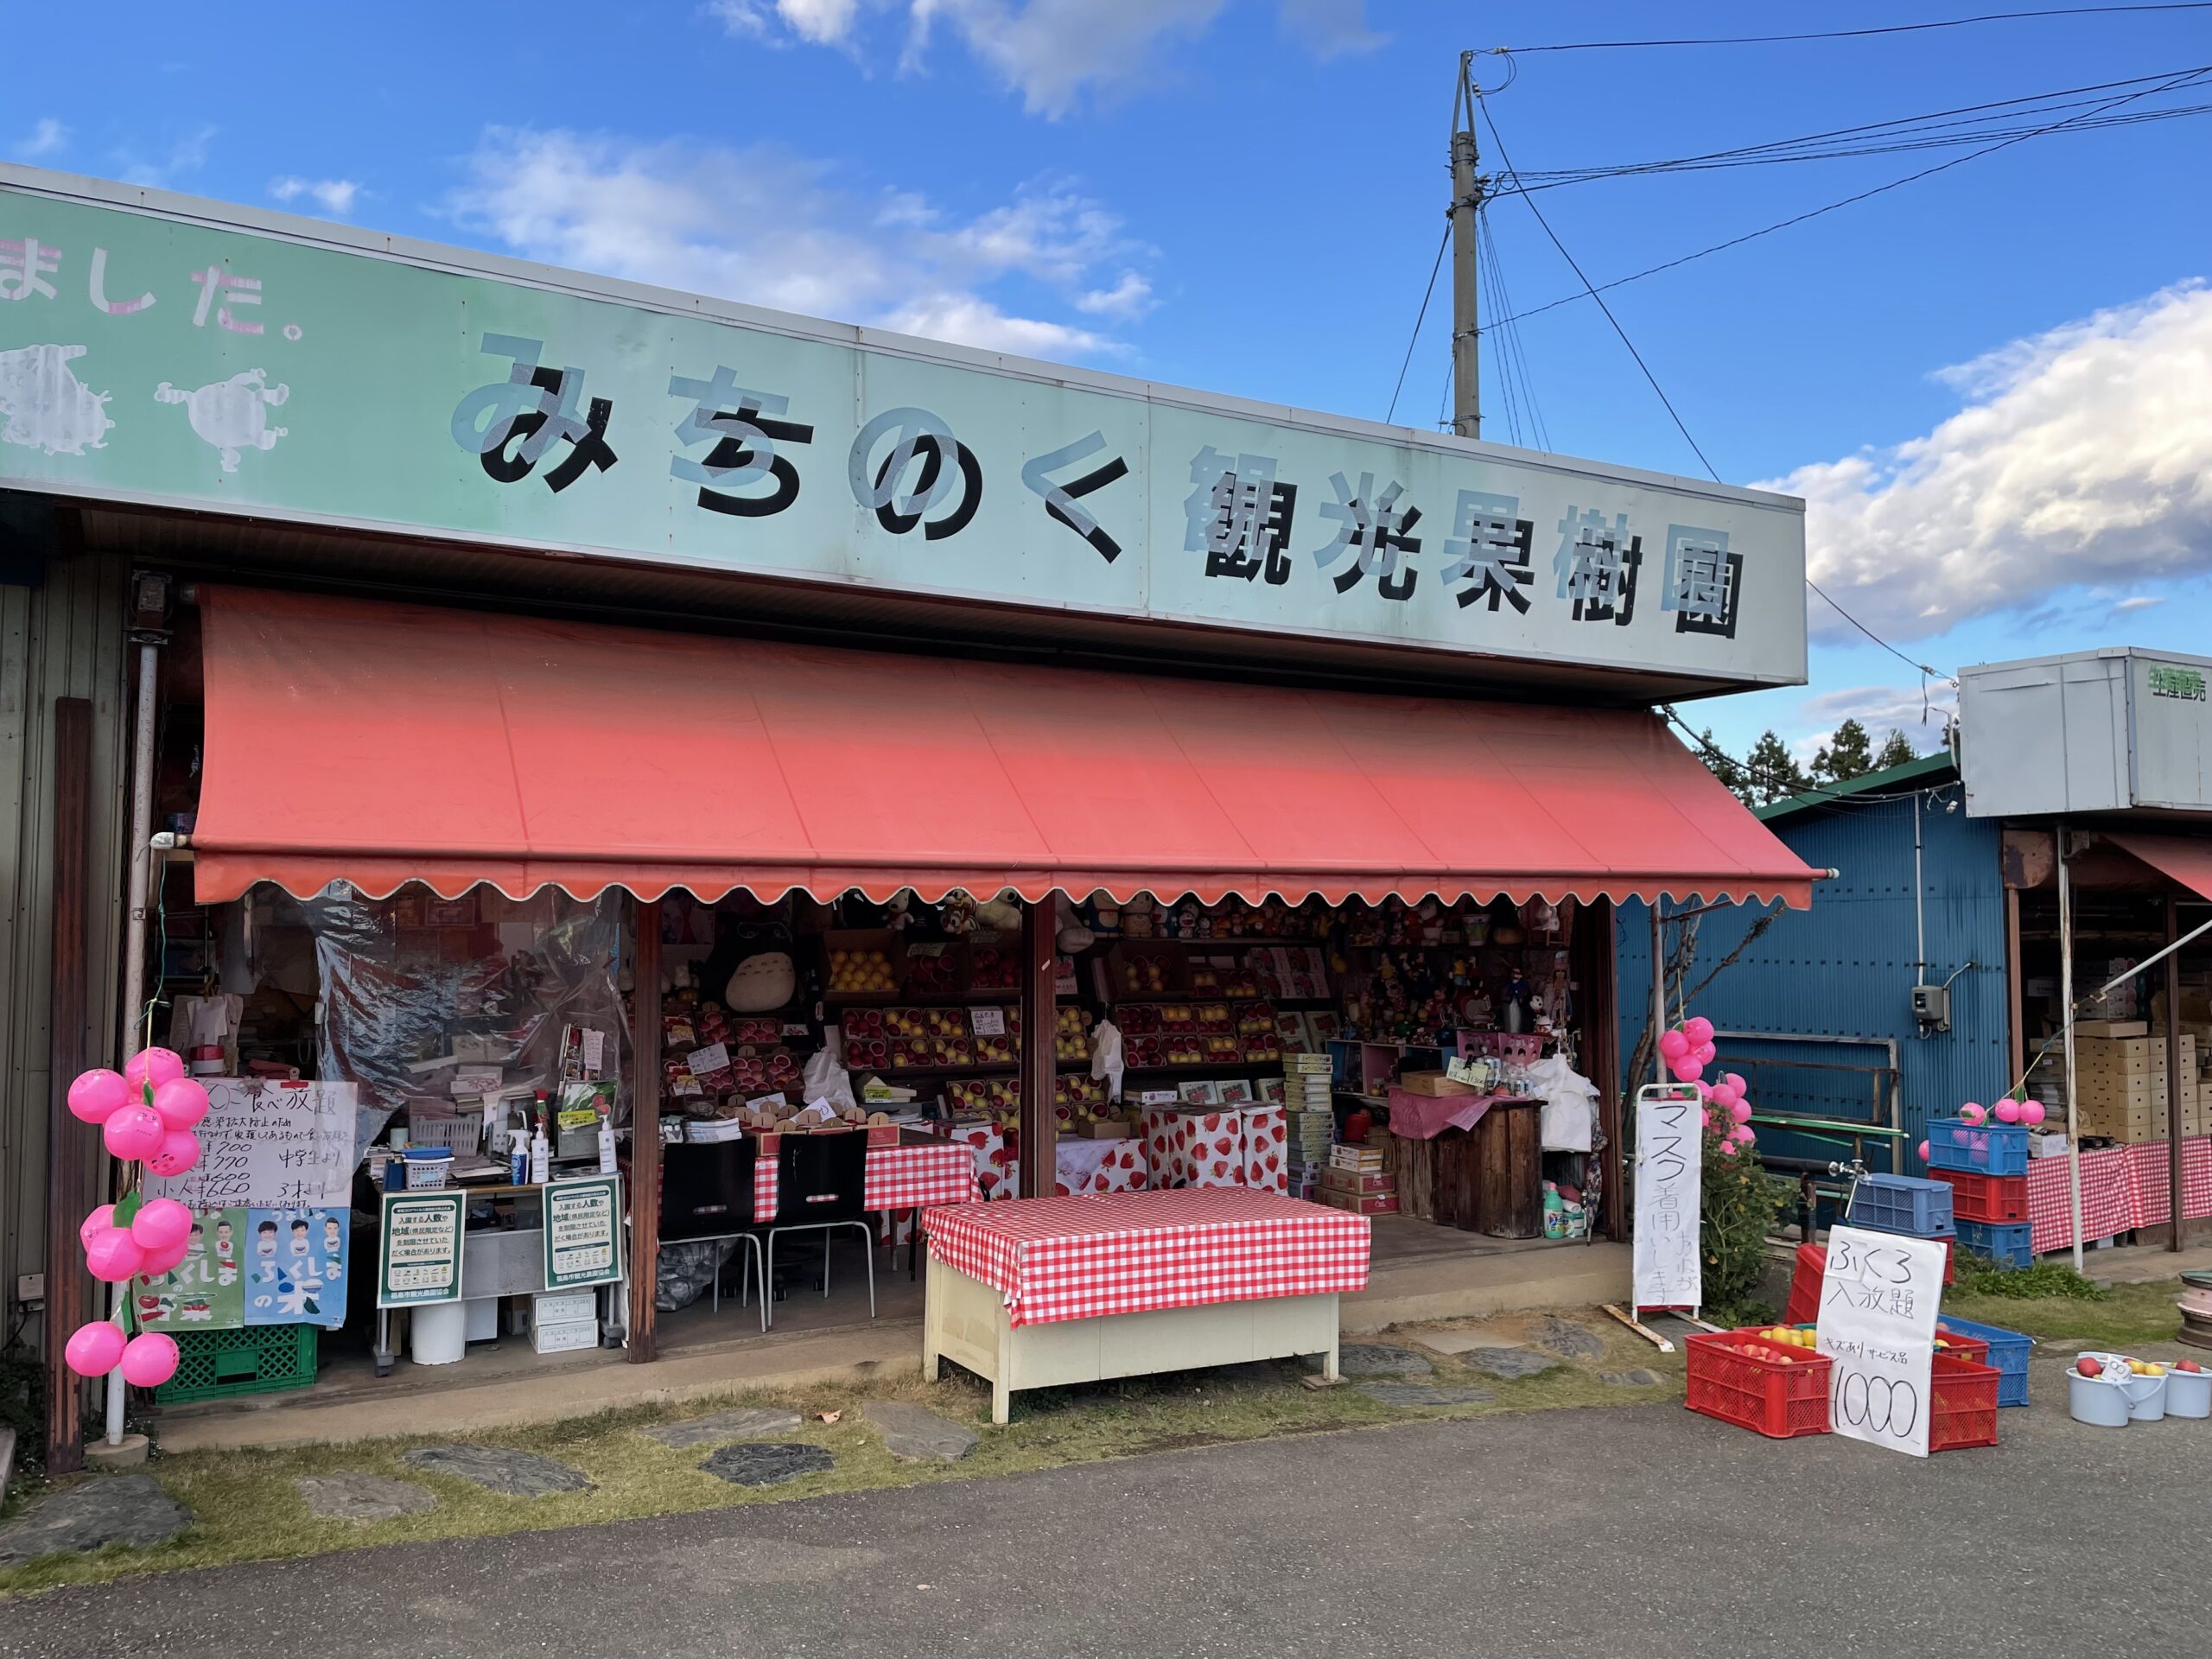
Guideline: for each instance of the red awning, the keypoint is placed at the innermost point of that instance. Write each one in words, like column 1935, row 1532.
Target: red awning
column 2181, row 858
column 380, row 744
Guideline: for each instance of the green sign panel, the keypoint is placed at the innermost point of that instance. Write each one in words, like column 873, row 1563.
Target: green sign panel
column 418, row 1248
column 583, row 1231
column 321, row 374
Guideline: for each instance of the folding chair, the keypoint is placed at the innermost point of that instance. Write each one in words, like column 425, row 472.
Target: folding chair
column 821, row 1186
column 706, row 1195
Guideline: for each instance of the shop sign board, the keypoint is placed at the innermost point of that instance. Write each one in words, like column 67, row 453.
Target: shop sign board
column 1669, row 1174
column 583, row 1231
column 158, row 350
column 418, row 1248
column 271, row 1145
column 1876, row 1323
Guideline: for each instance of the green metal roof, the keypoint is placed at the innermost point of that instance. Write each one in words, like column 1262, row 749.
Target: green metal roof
column 1926, row 769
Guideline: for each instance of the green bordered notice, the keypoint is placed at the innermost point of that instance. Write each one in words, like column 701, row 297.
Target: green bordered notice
column 418, row 1249
column 583, row 1231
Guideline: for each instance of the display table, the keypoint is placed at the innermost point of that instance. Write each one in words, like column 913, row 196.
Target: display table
column 912, row 1176
column 1035, row 1292
column 1485, row 1175
column 2122, row 1188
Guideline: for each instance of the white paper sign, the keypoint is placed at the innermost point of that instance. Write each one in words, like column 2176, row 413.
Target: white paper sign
column 1669, row 1171
column 987, row 1022
column 1878, row 1323
column 713, row 1057
column 270, row 1146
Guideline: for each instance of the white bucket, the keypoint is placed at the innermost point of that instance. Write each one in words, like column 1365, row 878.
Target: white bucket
column 440, row 1334
column 2188, row 1394
column 2146, row 1395
column 2094, row 1400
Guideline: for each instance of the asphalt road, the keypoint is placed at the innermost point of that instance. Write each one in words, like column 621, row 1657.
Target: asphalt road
column 1614, row 1532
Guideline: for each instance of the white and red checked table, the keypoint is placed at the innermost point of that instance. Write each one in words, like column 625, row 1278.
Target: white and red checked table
column 2122, row 1188
column 910, row 1177
column 1035, row 1292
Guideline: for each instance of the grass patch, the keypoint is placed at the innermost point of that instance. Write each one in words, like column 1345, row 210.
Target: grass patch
column 246, row 1508
column 2046, row 1280
column 2123, row 1320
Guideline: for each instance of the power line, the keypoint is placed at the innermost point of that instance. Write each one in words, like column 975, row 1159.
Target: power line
column 1419, row 318
column 2184, row 78
column 1861, row 34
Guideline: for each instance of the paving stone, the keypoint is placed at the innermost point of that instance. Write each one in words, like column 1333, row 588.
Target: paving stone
column 108, row 1509
column 1407, row 1394
column 915, row 1431
column 353, row 1494
column 1638, row 1378
column 1380, row 1359
column 1567, row 1339
column 1466, row 1342
column 1510, row 1361
column 766, row 1463
column 500, row 1469
column 742, row 1423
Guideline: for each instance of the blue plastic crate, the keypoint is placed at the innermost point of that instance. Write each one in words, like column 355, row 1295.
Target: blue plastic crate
column 1902, row 1203
column 2008, row 1357
column 2008, row 1243
column 1984, row 1149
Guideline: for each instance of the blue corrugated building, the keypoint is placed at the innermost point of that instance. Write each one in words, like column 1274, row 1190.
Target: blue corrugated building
column 1819, row 1007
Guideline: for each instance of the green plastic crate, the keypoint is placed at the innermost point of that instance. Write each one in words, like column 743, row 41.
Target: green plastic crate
column 253, row 1359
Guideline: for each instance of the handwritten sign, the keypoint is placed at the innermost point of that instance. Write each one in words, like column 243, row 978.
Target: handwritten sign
column 269, row 1145
column 987, row 1022
column 712, row 1058
column 1670, row 1172
column 583, row 1231
column 1877, row 1323
column 418, row 1249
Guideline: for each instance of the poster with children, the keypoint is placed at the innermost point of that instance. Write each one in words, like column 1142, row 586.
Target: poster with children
column 296, row 1267
column 206, row 1290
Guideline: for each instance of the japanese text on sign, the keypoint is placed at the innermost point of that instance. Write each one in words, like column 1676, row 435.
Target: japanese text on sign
column 583, row 1220
column 1670, row 1172
column 271, row 1145
column 1876, row 1323
column 419, row 1249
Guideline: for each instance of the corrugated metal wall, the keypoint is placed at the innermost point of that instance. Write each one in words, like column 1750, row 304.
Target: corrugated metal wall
column 63, row 638
column 1844, row 967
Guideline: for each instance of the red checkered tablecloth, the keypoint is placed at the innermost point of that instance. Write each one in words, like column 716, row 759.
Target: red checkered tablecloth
column 1081, row 1258
column 899, row 1178
column 2122, row 1188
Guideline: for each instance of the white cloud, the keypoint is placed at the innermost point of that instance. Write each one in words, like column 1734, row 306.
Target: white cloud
column 188, row 154
column 767, row 228
column 47, row 136
column 334, row 196
column 1881, row 709
column 2139, row 602
column 2082, row 455
column 1050, row 51
column 1130, row 297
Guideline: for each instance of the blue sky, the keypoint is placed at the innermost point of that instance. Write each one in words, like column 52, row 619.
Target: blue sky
column 1246, row 195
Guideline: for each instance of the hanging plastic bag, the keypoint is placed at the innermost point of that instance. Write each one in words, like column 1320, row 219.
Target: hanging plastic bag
column 1570, row 1116
column 1106, row 1057
column 826, row 1079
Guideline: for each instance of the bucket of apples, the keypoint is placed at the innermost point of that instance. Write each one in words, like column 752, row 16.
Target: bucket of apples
column 2144, row 1381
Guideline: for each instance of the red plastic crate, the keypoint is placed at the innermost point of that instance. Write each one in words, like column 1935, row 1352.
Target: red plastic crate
column 1804, row 1307
column 1966, row 1404
column 1775, row 1391
column 1960, row 1344
column 1987, row 1198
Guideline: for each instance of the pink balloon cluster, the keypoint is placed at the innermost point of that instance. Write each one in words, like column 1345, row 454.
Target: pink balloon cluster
column 1687, row 1049
column 146, row 1114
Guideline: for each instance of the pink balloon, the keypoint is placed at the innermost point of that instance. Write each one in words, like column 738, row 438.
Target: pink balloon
column 158, row 1263
column 2008, row 1111
column 178, row 1152
column 132, row 1132
column 96, row 1095
column 2032, row 1112
column 1742, row 1133
column 1704, row 1054
column 1705, row 1090
column 1725, row 1098
column 182, row 1102
column 161, row 1225
column 1737, row 1083
column 96, row 1223
column 1673, row 1045
column 1705, row 1118
column 150, row 1360
column 1924, row 1151
column 153, row 1066
column 1960, row 1138
column 1970, row 1113
column 94, row 1349
column 1698, row 1029
column 1687, row 1070
column 1728, row 1149
column 113, row 1256
column 1741, row 1111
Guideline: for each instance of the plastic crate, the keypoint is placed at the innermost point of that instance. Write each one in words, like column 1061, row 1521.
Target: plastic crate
column 1761, row 1389
column 1979, row 1148
column 2009, row 1244
column 1965, row 1409
column 2008, row 1357
column 1902, row 1203
column 1804, row 1307
column 1988, row 1198
column 254, row 1359
column 1957, row 1342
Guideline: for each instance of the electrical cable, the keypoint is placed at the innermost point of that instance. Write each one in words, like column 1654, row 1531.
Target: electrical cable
column 1419, row 317
column 1515, row 344
column 1485, row 261
column 1862, row 34
column 2185, row 78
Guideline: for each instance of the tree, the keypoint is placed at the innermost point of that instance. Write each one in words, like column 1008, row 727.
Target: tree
column 1774, row 772
column 1896, row 749
column 1849, row 753
column 1724, row 767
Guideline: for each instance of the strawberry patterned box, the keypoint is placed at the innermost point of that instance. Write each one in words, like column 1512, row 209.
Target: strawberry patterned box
column 1240, row 1146
column 996, row 1170
column 1094, row 1166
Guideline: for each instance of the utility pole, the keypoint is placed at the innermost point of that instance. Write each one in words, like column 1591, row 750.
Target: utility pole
column 1466, row 201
